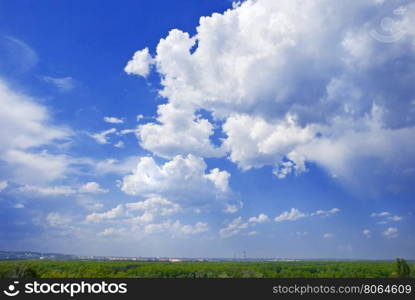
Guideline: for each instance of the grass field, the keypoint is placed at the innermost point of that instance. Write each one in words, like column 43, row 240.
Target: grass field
column 133, row 269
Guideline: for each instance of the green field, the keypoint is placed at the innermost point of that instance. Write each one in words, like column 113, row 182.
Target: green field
column 133, row 269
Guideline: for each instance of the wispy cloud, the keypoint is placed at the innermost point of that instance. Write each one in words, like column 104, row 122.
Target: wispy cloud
column 391, row 232
column 64, row 84
column 292, row 215
column 113, row 120
column 101, row 137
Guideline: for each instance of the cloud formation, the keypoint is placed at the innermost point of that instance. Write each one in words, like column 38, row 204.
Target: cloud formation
column 64, row 84
column 113, row 120
column 258, row 70
column 391, row 232
column 292, row 215
column 179, row 179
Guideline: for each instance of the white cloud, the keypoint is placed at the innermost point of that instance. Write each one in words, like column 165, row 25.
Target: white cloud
column 367, row 233
column 140, row 63
column 292, row 215
column 101, row 137
column 63, row 190
column 233, row 228
column 113, row 120
column 391, row 232
column 183, row 179
column 253, row 68
column 3, row 185
column 254, row 142
column 387, row 217
column 19, row 54
column 178, row 131
column 59, row 190
column 55, row 219
column 150, row 209
column 119, row 144
column 92, row 188
column 262, row 218
column 18, row 206
column 328, row 235
column 176, row 228
column 325, row 213
column 89, row 203
column 140, row 226
column 126, row 131
column 232, row 208
column 199, row 227
column 115, row 166
column 65, row 84
column 109, row 215
column 26, row 126
column 219, row 178
column 380, row 214
column 40, row 167
column 155, row 205
column 110, row 231
column 395, row 218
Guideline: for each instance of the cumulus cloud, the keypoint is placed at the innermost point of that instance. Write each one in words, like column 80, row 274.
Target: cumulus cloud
column 55, row 219
column 150, row 220
column 328, row 235
column 92, row 188
column 183, row 179
column 380, row 214
column 387, row 217
column 60, row 190
column 233, row 228
column 155, row 205
column 113, row 120
column 262, row 218
column 292, row 215
column 176, row 229
column 26, row 126
column 150, row 208
column 108, row 215
column 254, row 142
column 178, row 131
column 114, row 166
column 63, row 190
column 258, row 69
column 140, row 63
column 325, row 213
column 367, row 233
column 391, row 232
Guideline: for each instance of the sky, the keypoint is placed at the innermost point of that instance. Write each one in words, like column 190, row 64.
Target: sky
column 208, row 128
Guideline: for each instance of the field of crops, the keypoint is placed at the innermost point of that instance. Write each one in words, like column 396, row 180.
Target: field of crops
column 228, row 269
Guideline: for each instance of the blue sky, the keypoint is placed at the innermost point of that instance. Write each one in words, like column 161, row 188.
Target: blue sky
column 207, row 128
